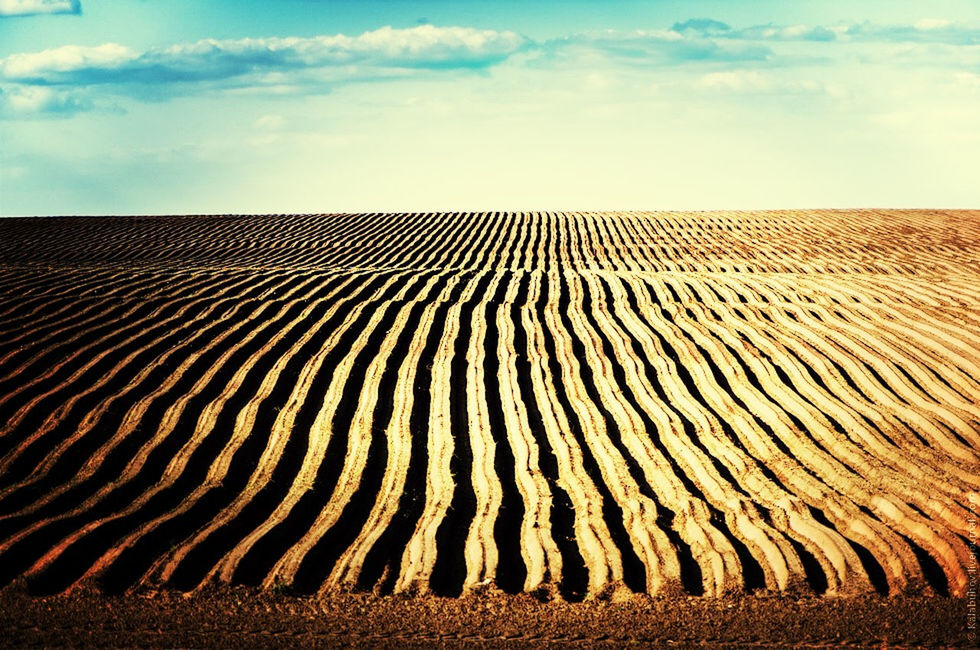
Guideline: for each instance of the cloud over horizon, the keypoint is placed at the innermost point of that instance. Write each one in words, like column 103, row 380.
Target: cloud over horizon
column 927, row 30
column 29, row 100
column 272, row 63
column 424, row 46
column 35, row 7
column 302, row 65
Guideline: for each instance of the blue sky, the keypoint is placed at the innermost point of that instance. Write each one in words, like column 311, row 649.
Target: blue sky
column 184, row 106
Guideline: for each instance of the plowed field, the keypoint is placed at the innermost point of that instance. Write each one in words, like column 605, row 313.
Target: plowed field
column 574, row 405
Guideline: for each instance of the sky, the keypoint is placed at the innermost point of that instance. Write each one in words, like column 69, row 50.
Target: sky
column 311, row 106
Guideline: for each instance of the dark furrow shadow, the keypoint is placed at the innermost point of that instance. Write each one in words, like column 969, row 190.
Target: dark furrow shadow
column 753, row 575
column 71, row 563
column 931, row 569
column 654, row 382
column 209, row 551
column 722, row 382
column 752, row 571
column 815, row 576
column 102, row 331
column 820, row 382
column 109, row 338
column 449, row 571
column 915, row 384
column 43, row 359
column 575, row 576
column 121, row 455
column 135, row 561
column 911, row 429
column 256, row 564
column 845, row 376
column 36, row 324
column 634, row 571
column 693, row 389
column 147, row 348
column 691, row 575
column 953, row 432
column 881, row 380
column 322, row 557
column 510, row 254
column 945, row 383
column 383, row 562
column 871, row 565
column 511, row 571
column 789, row 384
column 72, row 459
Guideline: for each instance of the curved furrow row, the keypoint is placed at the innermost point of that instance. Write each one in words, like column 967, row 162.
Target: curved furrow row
column 679, row 474
column 861, row 367
column 849, row 485
column 856, row 328
column 577, row 405
column 56, row 333
column 833, row 564
column 723, row 327
column 24, row 314
column 27, row 307
column 892, row 427
column 419, row 557
column 83, row 345
column 64, row 454
column 127, row 429
column 859, row 422
column 274, row 454
column 203, row 359
column 90, row 365
column 603, row 417
column 351, row 398
column 774, row 403
column 131, row 403
column 542, row 559
column 175, row 468
column 702, row 443
column 586, row 543
column 939, row 351
column 403, row 366
column 857, row 463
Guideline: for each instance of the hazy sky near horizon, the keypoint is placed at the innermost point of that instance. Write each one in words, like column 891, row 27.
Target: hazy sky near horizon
column 184, row 106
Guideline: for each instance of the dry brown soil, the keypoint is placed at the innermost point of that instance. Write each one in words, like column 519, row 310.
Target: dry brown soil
column 241, row 617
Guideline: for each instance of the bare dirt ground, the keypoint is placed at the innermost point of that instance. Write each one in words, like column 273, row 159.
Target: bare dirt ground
column 723, row 428
column 241, row 617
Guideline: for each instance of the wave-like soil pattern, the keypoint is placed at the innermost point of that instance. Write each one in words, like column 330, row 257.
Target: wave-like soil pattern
column 573, row 405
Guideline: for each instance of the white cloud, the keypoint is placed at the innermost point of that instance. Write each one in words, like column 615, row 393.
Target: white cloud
column 933, row 23
column 269, row 123
column 651, row 47
column 754, row 81
column 783, row 33
column 211, row 59
column 968, row 80
column 736, row 80
column 700, row 54
column 31, row 7
column 30, row 100
column 48, row 64
column 928, row 30
column 938, row 30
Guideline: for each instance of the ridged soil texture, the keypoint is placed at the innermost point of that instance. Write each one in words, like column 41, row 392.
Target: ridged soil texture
column 574, row 405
